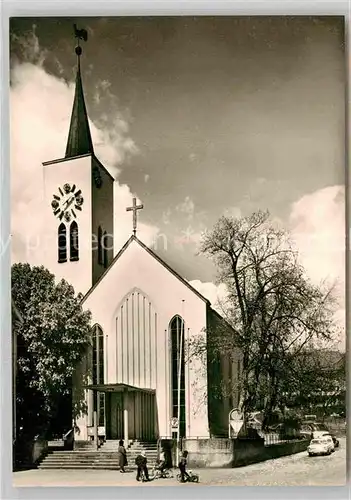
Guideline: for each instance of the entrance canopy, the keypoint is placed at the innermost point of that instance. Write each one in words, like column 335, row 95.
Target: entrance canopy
column 118, row 388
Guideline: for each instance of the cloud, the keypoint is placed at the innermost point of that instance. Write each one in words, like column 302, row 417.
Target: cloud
column 187, row 207
column 216, row 294
column 317, row 223
column 27, row 47
column 234, row 212
column 166, row 216
column 40, row 109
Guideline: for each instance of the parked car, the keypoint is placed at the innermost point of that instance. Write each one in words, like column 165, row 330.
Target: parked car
column 315, row 430
column 334, row 439
column 321, row 446
column 328, row 438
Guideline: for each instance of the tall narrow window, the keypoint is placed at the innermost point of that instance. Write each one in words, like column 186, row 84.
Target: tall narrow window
column 62, row 243
column 105, row 249
column 73, row 241
column 100, row 255
column 178, row 360
column 98, row 373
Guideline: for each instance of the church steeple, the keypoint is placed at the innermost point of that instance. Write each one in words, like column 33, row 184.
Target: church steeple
column 79, row 139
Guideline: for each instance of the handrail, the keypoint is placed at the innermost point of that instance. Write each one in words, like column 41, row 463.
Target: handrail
column 65, row 436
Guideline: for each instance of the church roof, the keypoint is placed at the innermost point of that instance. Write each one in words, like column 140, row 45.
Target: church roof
column 155, row 256
column 79, row 139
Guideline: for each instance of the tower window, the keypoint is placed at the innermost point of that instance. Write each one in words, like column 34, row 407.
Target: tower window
column 74, row 242
column 100, row 253
column 105, row 251
column 62, row 243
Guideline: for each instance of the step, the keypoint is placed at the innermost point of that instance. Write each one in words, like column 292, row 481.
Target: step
column 71, row 460
column 105, row 453
column 73, row 465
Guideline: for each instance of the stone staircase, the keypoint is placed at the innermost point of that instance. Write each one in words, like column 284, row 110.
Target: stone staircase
column 106, row 457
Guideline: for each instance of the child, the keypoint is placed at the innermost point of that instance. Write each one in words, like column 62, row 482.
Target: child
column 141, row 462
column 182, row 466
column 162, row 461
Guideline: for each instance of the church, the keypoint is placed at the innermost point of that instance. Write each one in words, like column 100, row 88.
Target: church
column 137, row 380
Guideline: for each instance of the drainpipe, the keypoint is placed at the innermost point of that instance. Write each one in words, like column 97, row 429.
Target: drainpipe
column 96, row 445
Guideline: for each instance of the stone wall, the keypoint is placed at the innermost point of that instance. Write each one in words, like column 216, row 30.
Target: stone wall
column 248, row 451
column 40, row 447
column 283, row 449
column 210, row 452
column 221, row 453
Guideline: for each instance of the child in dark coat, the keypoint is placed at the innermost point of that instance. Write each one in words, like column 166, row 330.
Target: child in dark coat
column 141, row 463
column 182, row 466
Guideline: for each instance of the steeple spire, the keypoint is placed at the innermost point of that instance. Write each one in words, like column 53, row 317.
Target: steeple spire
column 79, row 139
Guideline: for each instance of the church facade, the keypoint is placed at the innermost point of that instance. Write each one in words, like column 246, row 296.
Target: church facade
column 137, row 379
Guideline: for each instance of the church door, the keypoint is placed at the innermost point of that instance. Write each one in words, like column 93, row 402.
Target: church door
column 115, row 422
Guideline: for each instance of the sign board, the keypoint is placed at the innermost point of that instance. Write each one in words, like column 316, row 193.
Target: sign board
column 235, row 415
column 236, row 426
column 236, row 421
column 174, row 423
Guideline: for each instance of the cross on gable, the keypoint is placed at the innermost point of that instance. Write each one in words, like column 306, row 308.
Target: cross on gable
column 134, row 209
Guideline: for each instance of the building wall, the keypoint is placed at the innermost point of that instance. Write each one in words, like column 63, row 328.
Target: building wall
column 102, row 215
column 223, row 377
column 73, row 171
column 142, row 288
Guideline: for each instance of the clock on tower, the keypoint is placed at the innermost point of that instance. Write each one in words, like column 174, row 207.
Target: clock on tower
column 67, row 203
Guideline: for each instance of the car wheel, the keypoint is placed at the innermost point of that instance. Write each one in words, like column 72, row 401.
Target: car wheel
column 311, row 454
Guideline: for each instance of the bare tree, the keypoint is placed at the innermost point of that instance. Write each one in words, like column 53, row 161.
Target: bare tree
column 272, row 310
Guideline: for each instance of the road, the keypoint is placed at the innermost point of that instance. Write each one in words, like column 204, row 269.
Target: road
column 293, row 470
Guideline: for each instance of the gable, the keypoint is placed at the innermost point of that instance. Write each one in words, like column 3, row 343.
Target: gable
column 135, row 240
column 135, row 267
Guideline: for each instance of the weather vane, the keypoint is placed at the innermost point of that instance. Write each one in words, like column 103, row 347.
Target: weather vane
column 81, row 34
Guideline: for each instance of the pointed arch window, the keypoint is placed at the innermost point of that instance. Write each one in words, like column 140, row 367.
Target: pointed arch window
column 177, row 364
column 105, row 249
column 98, row 372
column 74, row 241
column 100, row 253
column 62, row 243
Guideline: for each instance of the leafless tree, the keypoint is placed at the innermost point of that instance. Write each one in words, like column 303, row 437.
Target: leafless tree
column 272, row 310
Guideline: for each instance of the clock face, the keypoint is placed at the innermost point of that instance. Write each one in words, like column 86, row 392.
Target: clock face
column 67, row 203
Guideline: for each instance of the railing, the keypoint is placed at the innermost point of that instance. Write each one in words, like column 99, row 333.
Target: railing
column 273, row 438
column 65, row 436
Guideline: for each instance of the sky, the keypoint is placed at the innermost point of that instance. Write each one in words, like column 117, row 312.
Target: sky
column 196, row 117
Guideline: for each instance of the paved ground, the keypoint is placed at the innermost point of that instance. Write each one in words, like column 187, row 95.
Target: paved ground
column 294, row 470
